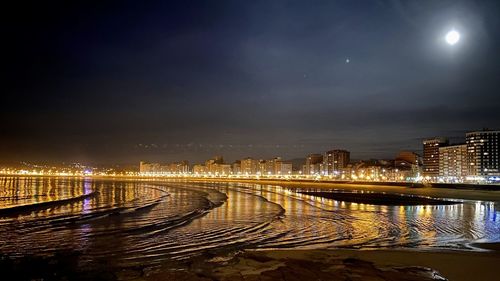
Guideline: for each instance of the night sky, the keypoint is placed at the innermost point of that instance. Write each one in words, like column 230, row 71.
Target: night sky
column 121, row 81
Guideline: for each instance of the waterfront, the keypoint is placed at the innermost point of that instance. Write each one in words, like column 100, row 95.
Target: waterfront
column 125, row 224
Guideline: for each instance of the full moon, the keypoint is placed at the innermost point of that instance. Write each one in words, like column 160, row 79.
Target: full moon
column 452, row 37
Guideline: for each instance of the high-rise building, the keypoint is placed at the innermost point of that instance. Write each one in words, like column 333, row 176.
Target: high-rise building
column 431, row 156
column 483, row 153
column 335, row 160
column 453, row 162
column 314, row 164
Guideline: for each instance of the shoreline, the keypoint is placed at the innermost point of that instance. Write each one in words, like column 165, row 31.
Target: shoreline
column 483, row 192
column 446, row 193
column 465, row 186
column 310, row 185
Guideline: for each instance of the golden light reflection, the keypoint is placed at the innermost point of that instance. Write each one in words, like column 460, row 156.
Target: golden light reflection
column 245, row 217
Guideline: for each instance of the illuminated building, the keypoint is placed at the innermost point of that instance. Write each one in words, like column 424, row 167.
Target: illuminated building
column 282, row 167
column 408, row 157
column 177, row 167
column 147, row 168
column 216, row 166
column 314, row 164
column 249, row 166
column 236, row 167
column 215, row 160
column 170, row 168
column 453, row 162
column 431, row 156
column 335, row 161
column 223, row 169
column 199, row 169
column 270, row 167
column 408, row 161
column 275, row 166
column 483, row 153
column 266, row 167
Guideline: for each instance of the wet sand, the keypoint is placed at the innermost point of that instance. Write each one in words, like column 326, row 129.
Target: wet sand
column 343, row 265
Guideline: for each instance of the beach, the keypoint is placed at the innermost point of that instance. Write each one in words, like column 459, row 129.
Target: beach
column 281, row 265
column 357, row 264
column 343, row 264
column 133, row 229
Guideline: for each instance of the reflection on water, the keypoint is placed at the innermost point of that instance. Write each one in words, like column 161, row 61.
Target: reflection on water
column 146, row 222
column 340, row 224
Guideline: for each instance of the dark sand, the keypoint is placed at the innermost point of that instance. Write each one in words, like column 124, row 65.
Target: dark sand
column 289, row 265
column 303, row 265
column 59, row 266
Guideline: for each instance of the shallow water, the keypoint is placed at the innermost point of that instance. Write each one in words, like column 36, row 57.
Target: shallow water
column 146, row 223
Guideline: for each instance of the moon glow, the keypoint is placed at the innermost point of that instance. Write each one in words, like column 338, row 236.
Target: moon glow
column 452, row 37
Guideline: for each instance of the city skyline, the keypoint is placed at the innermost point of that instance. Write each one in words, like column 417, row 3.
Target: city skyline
column 475, row 159
column 117, row 83
column 220, row 149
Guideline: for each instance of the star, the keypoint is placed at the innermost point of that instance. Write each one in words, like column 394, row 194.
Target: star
column 347, row 60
